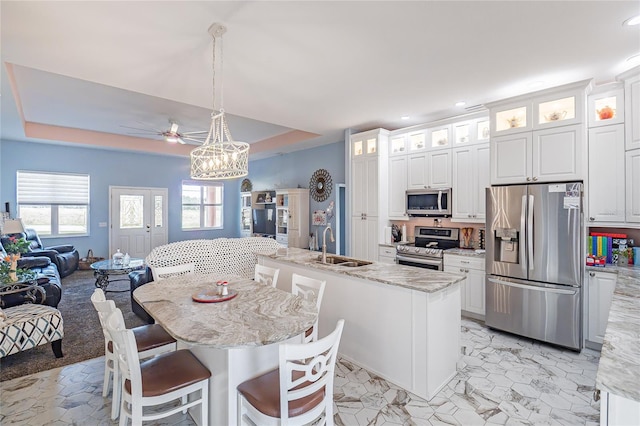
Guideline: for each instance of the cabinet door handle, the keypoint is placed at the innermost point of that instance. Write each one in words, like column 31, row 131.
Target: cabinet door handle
column 592, row 274
column 596, row 395
column 592, row 219
column 464, row 261
column 535, row 178
column 461, row 270
column 528, row 179
column 468, row 215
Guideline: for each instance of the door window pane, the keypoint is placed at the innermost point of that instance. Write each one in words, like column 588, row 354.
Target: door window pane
column 131, row 211
column 157, row 211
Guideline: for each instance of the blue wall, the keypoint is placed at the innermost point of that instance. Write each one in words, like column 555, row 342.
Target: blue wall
column 115, row 168
column 294, row 170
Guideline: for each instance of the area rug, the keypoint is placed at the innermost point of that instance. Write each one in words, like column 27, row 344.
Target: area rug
column 83, row 338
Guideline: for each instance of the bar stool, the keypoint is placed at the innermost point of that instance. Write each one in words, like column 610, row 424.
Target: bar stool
column 164, row 378
column 299, row 391
column 151, row 339
column 309, row 289
column 266, row 275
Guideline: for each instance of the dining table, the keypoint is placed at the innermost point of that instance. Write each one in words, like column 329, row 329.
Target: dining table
column 236, row 337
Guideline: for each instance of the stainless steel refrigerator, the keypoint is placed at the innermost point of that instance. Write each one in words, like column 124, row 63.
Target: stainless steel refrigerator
column 534, row 261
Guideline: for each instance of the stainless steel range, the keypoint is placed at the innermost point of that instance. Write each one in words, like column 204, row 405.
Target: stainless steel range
column 427, row 251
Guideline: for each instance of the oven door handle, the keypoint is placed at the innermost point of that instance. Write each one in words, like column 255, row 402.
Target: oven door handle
column 420, row 260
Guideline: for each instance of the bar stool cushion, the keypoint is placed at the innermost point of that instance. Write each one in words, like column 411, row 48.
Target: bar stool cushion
column 159, row 377
column 263, row 393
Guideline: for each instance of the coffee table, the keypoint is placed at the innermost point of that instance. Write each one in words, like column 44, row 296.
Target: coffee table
column 104, row 268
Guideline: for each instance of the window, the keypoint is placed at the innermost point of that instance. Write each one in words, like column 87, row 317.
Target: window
column 201, row 205
column 54, row 204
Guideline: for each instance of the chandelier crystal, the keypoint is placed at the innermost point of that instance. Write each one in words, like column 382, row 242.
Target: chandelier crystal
column 220, row 157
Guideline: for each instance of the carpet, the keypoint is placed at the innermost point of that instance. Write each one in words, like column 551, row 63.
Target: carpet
column 83, row 338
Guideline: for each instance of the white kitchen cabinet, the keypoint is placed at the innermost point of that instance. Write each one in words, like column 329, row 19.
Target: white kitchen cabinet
column 549, row 155
column 364, row 237
column 470, row 179
column 600, row 286
column 246, row 221
column 633, row 186
column 473, row 288
column 397, row 144
column 471, row 131
column 510, row 158
column 369, row 192
column 429, row 169
column 557, row 154
column 616, row 410
column 386, row 254
column 397, row 188
column 292, row 217
column 539, row 137
column 606, row 186
column 631, row 80
column 439, row 137
column 605, row 105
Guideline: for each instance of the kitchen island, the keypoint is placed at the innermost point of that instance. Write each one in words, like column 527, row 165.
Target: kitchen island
column 618, row 377
column 235, row 339
column 401, row 323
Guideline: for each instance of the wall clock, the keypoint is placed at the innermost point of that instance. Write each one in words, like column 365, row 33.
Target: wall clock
column 246, row 185
column 320, row 185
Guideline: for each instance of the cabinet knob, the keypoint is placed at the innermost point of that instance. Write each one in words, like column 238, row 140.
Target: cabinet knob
column 592, row 219
column 535, row 178
column 592, row 274
column 475, row 215
column 596, row 395
column 468, row 215
column 466, row 270
column 461, row 270
column 528, row 179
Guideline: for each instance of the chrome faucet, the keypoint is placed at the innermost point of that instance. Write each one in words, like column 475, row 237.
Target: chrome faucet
column 324, row 242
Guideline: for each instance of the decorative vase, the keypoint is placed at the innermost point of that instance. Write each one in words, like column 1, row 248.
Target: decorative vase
column 14, row 266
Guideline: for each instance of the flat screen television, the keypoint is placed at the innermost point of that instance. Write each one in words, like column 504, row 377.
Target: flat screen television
column 264, row 221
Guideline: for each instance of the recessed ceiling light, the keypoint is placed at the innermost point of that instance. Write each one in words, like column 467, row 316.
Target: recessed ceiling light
column 632, row 21
column 461, row 103
column 405, row 117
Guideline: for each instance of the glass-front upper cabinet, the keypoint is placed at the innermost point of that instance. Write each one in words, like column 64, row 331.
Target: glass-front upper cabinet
column 471, row 131
column 606, row 106
column 439, row 137
column 398, row 145
column 365, row 146
column 512, row 119
column 417, row 141
column 561, row 108
column 483, row 130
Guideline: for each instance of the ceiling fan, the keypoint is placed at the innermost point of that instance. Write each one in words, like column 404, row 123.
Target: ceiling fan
column 172, row 135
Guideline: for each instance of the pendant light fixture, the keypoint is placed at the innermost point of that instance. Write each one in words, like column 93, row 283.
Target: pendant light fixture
column 220, row 157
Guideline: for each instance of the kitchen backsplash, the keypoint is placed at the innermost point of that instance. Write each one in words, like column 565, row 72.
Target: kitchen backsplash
column 444, row 222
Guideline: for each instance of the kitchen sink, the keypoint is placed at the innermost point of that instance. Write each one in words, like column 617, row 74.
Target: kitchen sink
column 347, row 262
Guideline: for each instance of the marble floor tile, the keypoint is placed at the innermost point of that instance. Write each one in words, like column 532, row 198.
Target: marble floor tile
column 502, row 380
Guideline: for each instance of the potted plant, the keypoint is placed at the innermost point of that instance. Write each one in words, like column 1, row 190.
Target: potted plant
column 10, row 273
column 14, row 247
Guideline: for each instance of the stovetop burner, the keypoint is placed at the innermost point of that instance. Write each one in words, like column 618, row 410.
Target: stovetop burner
column 431, row 242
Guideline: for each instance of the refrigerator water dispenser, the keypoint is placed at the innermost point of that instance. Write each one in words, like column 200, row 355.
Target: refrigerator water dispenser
column 508, row 246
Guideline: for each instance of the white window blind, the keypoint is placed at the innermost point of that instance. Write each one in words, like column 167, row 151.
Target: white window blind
column 52, row 188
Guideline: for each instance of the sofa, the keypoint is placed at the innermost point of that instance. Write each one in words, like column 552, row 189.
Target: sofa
column 47, row 276
column 234, row 256
column 65, row 257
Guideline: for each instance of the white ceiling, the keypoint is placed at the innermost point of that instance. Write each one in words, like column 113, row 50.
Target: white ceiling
column 296, row 73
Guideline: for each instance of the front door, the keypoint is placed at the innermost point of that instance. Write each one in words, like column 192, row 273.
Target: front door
column 138, row 220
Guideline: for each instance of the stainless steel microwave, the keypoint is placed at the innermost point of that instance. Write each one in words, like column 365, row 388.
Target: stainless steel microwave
column 429, row 202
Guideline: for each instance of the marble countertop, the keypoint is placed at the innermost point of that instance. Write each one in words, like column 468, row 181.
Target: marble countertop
column 619, row 367
column 426, row 280
column 465, row 252
column 258, row 315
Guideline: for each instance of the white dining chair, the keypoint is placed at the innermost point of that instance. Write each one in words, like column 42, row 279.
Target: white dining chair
column 299, row 391
column 151, row 339
column 266, row 275
column 168, row 377
column 163, row 272
column 309, row 289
